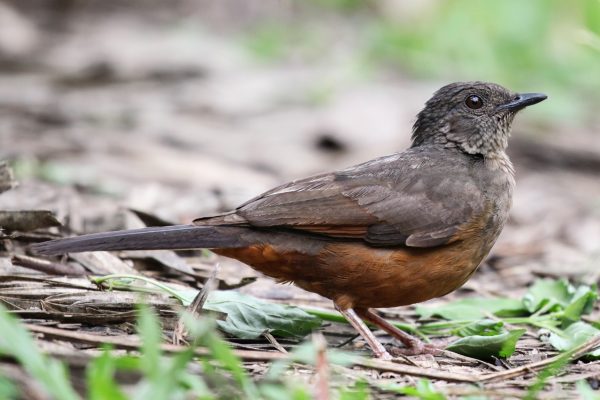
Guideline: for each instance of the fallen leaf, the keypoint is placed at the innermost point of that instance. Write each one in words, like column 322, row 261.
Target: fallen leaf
column 484, row 327
column 249, row 317
column 554, row 295
column 246, row 317
column 581, row 305
column 547, row 293
column 487, row 347
column 167, row 258
column 7, row 180
column 576, row 334
column 27, row 220
column 103, row 263
column 473, row 309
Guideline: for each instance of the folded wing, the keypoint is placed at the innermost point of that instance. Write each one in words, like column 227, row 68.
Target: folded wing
column 406, row 199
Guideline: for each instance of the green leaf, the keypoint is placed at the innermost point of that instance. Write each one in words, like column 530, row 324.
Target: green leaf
column 306, row 353
column 473, row 309
column 246, row 316
column 249, row 317
column 222, row 353
column 484, row 327
column 581, row 305
column 49, row 373
column 484, row 347
column 424, row 390
column 101, row 378
column 588, row 292
column 552, row 295
column 149, row 330
column 195, row 385
column 358, row 391
column 8, row 390
column 202, row 330
column 586, row 392
column 575, row 335
column 273, row 391
column 547, row 293
column 159, row 382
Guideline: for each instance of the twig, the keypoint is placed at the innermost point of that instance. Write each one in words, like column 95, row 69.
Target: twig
column 415, row 371
column 46, row 266
column 349, row 340
column 456, row 356
column 195, row 308
column 126, row 342
column 129, row 343
column 576, row 353
column 405, row 359
column 274, row 342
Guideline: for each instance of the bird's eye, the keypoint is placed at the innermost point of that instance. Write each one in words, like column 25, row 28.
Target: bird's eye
column 474, row 102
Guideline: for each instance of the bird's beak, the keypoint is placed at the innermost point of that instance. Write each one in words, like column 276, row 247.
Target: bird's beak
column 523, row 100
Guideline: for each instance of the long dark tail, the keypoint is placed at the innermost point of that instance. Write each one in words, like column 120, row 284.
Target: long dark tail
column 157, row 238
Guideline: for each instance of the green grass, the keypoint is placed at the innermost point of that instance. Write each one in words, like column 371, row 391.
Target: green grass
column 551, row 46
column 221, row 374
column 51, row 374
column 554, row 305
column 543, row 45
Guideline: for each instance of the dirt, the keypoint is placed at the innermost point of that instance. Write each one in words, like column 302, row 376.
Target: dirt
column 106, row 108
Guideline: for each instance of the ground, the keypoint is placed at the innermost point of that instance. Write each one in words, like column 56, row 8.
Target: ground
column 110, row 115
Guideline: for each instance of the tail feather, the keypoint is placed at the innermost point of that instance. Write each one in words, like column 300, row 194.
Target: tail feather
column 176, row 237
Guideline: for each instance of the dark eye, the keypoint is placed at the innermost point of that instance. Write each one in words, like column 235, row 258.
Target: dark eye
column 474, row 102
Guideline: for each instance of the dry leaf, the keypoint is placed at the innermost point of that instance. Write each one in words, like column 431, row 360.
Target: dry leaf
column 27, row 220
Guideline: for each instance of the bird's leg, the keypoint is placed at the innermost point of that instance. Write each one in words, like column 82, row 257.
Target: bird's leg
column 365, row 332
column 413, row 345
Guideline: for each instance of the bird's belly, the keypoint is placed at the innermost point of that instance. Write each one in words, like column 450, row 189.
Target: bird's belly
column 390, row 278
column 356, row 275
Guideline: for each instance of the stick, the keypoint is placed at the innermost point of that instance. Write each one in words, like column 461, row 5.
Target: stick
column 129, row 343
column 126, row 342
column 576, row 353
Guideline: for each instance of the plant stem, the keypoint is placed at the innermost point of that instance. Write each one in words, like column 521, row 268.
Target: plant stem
column 102, row 279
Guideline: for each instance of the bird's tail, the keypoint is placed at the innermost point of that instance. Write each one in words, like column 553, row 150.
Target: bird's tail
column 154, row 238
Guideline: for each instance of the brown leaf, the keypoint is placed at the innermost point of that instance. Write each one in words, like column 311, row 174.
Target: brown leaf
column 165, row 257
column 46, row 266
column 105, row 302
column 7, row 180
column 27, row 220
column 103, row 263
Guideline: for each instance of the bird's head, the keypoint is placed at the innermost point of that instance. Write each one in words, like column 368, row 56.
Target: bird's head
column 473, row 116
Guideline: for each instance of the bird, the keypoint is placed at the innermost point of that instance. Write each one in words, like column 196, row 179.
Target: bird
column 393, row 231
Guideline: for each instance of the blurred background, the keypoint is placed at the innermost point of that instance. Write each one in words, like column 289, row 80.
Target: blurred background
column 184, row 107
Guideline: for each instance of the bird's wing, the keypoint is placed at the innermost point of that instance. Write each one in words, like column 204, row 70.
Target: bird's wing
column 418, row 198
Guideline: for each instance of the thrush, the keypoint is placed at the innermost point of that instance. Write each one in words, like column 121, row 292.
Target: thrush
column 393, row 231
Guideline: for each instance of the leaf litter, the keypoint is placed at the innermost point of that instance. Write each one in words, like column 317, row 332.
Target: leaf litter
column 77, row 316
column 488, row 328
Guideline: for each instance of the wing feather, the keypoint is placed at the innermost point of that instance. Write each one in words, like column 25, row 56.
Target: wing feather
column 406, row 199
